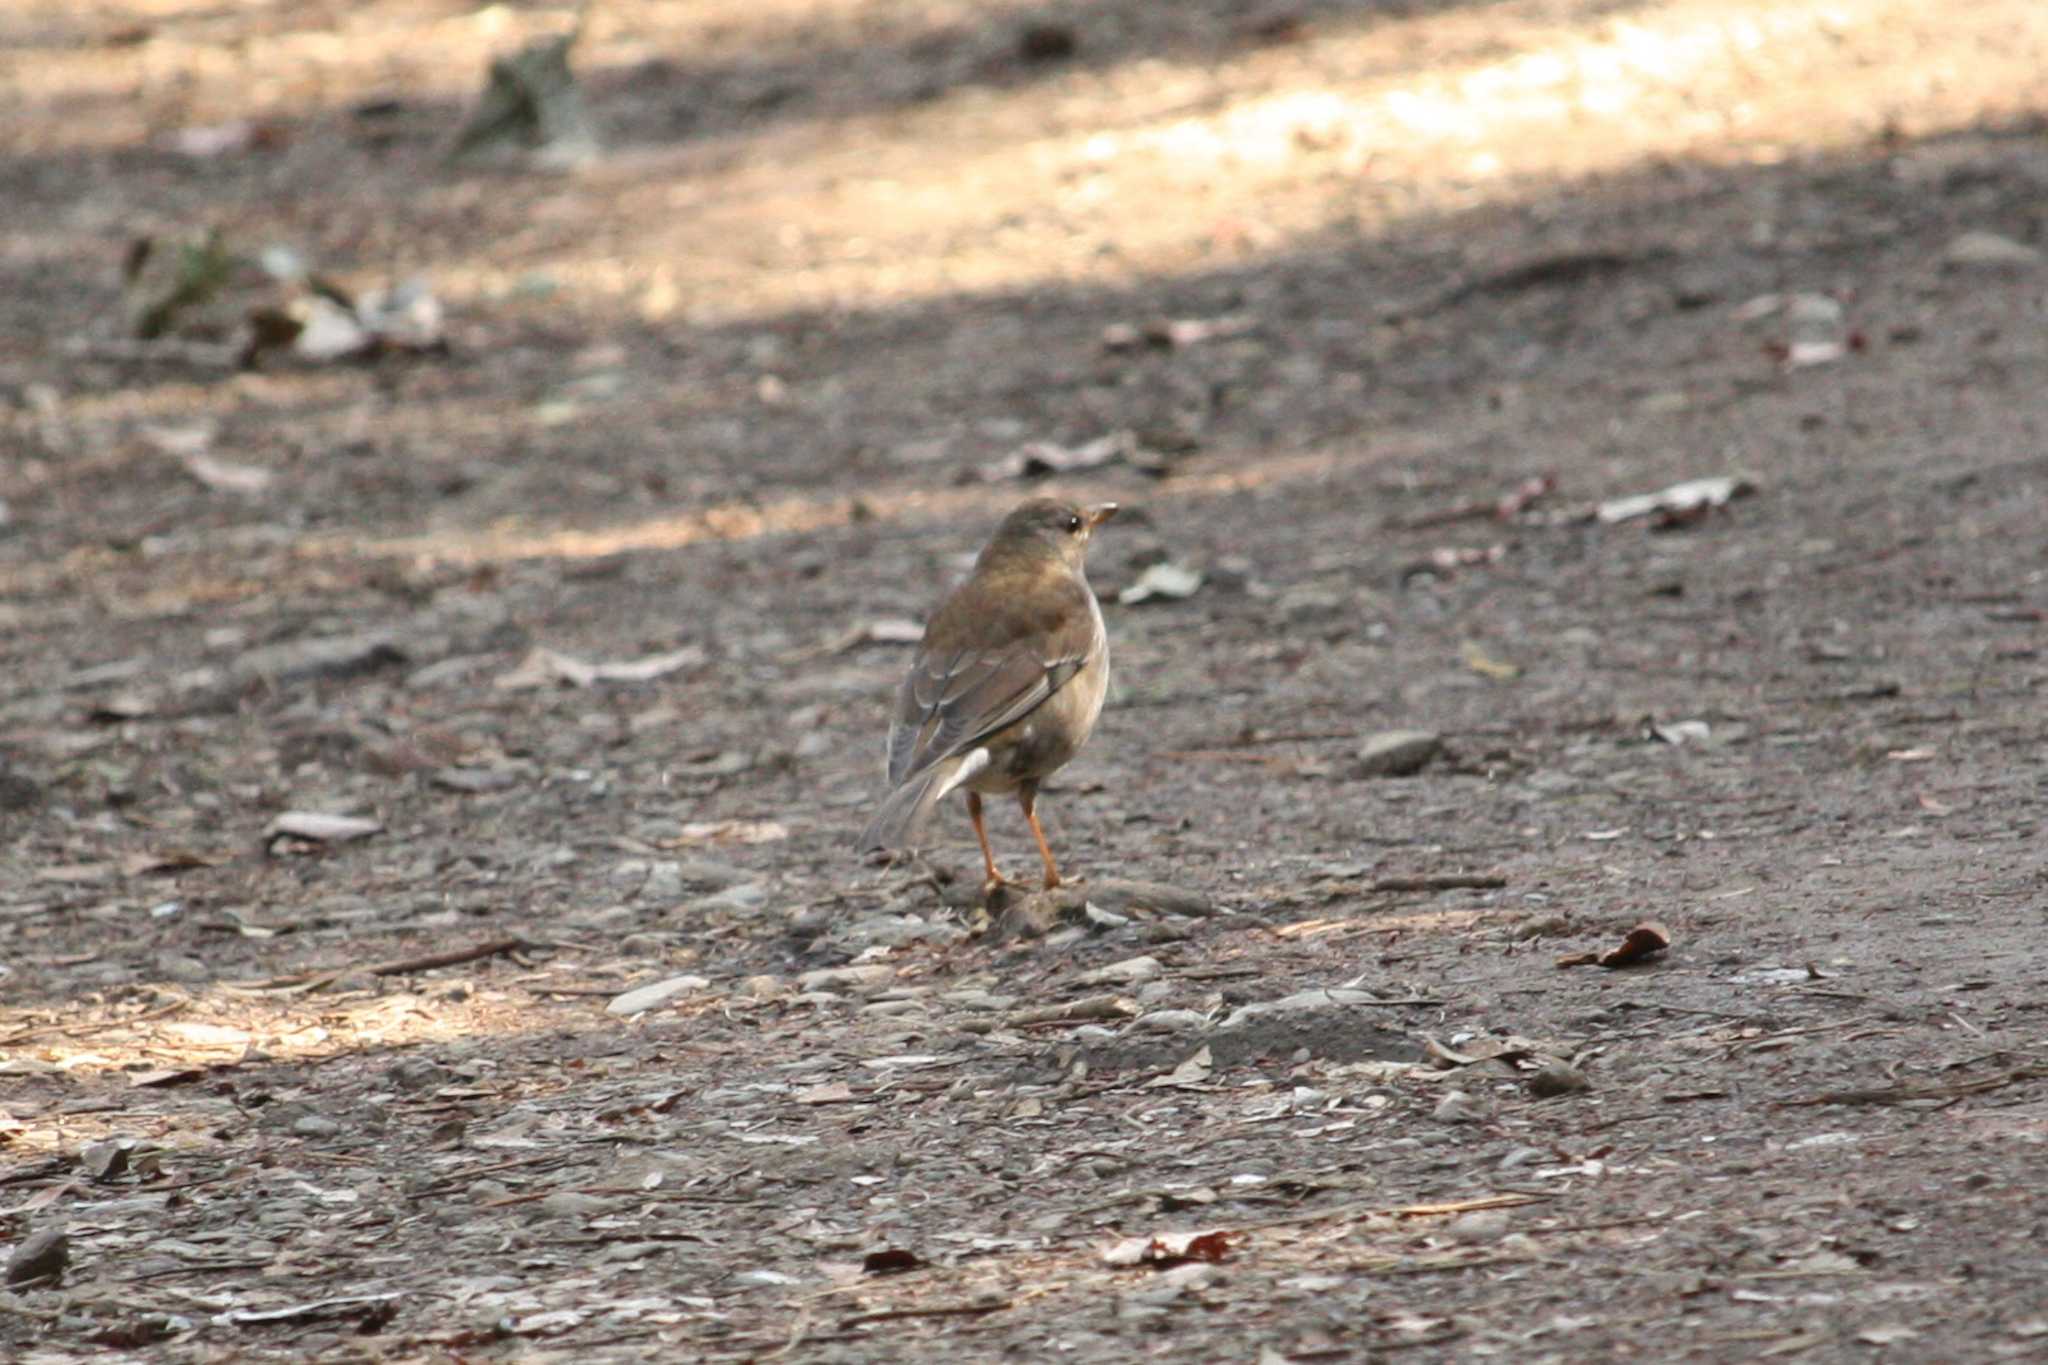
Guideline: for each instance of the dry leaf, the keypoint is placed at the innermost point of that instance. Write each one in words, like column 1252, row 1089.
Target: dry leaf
column 167, row 1076
column 1194, row 1071
column 1168, row 1249
column 73, row 874
column 322, row 828
column 170, row 860
column 1644, row 941
column 1486, row 666
column 1163, row 581
column 1040, row 458
column 544, row 666
column 831, row 1092
column 732, row 832
column 890, row 1261
column 1680, row 500
column 224, row 477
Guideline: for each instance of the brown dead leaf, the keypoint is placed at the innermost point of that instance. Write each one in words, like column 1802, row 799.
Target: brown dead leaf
column 832, row 1092
column 75, row 874
column 890, row 1261
column 166, row 1076
column 1166, row 1249
column 169, row 860
column 1643, row 942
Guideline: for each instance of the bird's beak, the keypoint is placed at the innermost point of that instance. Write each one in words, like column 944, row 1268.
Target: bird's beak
column 1100, row 513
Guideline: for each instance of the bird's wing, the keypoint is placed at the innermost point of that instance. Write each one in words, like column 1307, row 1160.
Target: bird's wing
column 953, row 701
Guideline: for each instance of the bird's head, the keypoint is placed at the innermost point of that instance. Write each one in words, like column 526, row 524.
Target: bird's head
column 1049, row 526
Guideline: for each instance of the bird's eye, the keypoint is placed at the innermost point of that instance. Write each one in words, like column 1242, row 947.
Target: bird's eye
column 1073, row 524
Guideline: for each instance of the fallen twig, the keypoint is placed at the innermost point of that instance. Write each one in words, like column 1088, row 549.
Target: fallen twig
column 1907, row 1094
column 1443, row 881
column 955, row 1310
column 402, row 966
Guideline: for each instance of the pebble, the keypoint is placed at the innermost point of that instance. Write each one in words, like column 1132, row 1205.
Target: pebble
column 866, row 979
column 1557, row 1077
column 1128, row 972
column 1459, row 1107
column 1982, row 250
column 570, row 1204
column 643, row 998
column 41, row 1255
column 1396, row 753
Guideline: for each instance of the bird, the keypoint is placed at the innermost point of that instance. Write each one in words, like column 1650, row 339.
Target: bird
column 1007, row 683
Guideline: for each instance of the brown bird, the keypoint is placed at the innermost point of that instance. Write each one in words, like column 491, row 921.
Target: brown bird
column 1007, row 683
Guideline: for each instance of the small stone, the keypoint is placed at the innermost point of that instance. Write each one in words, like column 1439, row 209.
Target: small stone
column 709, row 874
column 1171, row 1021
column 42, row 1255
column 643, row 998
column 1989, row 250
column 750, row 896
column 1556, row 1077
column 865, row 979
column 315, row 1126
column 570, row 1204
column 1396, row 753
column 1104, row 920
column 1543, row 926
column 1459, row 1107
column 1481, row 1225
column 335, row 657
column 183, row 968
column 417, row 1073
column 664, row 883
column 1128, row 972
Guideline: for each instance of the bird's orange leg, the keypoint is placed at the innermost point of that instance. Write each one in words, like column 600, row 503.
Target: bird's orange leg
column 1027, row 797
column 988, row 855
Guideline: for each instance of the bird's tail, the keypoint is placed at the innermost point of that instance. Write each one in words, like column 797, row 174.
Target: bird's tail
column 904, row 811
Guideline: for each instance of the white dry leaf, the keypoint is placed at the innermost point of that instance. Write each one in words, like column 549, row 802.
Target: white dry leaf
column 1680, row 498
column 544, row 666
column 327, row 331
column 643, row 998
column 1165, row 581
column 179, row 442
column 407, row 315
column 1038, row 458
column 732, row 832
column 322, row 828
column 652, row 667
column 206, row 140
column 224, row 477
column 317, row 1308
column 1196, row 1070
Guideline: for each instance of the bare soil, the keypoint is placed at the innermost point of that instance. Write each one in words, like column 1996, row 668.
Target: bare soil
column 1296, row 1075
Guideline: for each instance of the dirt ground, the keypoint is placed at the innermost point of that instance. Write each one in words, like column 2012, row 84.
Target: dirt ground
column 330, row 854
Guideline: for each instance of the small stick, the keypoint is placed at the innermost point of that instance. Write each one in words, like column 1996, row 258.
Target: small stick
column 426, row 962
column 957, row 1310
column 1445, row 881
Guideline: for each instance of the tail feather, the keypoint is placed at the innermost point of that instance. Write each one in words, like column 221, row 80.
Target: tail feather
column 904, row 811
